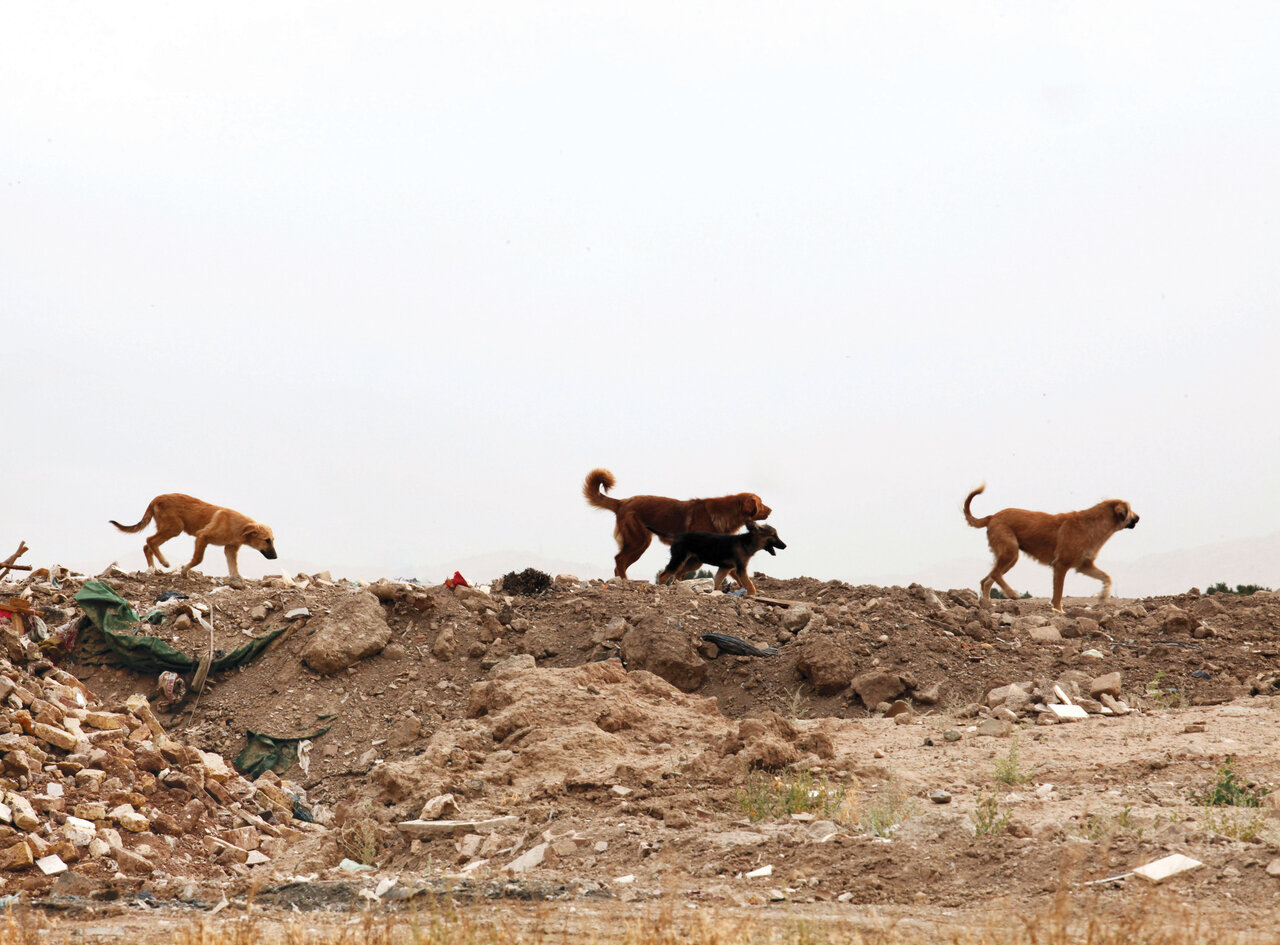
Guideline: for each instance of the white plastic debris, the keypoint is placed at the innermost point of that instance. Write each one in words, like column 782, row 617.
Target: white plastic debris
column 1160, row 870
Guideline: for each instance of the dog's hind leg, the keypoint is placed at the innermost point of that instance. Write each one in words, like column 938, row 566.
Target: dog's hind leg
column 633, row 541
column 1092, row 570
column 677, row 566
column 1005, row 548
column 197, row 556
column 743, row 578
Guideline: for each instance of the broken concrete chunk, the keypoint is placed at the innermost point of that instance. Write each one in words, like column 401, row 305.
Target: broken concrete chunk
column 1160, row 870
column 1068, row 712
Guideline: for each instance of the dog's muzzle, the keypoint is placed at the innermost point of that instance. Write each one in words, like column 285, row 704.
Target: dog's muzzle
column 1133, row 523
column 270, row 554
column 775, row 544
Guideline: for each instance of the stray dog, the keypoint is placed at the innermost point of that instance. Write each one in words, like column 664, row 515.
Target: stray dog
column 729, row 553
column 642, row 514
column 176, row 513
column 1063, row 541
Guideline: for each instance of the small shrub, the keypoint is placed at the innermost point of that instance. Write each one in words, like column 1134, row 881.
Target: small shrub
column 1009, row 768
column 882, row 811
column 1227, row 790
column 359, row 835
column 1163, row 693
column 528, row 583
column 989, row 817
column 768, row 797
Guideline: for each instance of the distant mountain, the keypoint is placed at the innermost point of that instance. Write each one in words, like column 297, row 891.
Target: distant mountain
column 1246, row 561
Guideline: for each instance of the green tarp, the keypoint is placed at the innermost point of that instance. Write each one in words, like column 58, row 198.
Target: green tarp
column 120, row 624
column 274, row 752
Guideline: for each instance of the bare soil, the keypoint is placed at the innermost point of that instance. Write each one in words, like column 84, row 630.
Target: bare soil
column 640, row 792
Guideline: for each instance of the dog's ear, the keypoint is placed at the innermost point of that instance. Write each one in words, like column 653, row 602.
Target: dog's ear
column 1121, row 511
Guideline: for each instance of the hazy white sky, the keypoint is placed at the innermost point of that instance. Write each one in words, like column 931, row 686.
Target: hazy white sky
column 392, row 278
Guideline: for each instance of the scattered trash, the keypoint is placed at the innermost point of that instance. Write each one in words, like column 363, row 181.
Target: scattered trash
column 762, row 871
column 738, row 646
column 1201, row 674
column 276, row 753
column 297, row 613
column 351, row 866
column 171, row 595
column 456, row 581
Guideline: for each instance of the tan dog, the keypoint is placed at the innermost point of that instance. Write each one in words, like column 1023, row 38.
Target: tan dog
column 1063, row 541
column 176, row 513
column 640, row 516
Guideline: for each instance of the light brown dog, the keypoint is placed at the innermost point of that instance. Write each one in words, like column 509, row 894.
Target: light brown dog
column 1063, row 541
column 176, row 513
column 640, row 516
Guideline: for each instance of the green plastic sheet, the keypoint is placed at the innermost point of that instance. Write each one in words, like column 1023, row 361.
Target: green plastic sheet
column 121, row 626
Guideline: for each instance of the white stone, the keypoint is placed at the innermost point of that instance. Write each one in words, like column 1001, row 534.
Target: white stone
column 51, row 865
column 762, row 871
column 1159, row 870
column 1068, row 712
column 528, row 859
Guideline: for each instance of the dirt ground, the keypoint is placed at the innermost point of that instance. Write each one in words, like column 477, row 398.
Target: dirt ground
column 718, row 780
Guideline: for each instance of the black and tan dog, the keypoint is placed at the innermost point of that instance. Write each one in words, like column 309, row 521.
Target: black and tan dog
column 729, row 553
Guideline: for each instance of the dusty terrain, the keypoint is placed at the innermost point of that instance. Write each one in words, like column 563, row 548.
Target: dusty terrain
column 620, row 760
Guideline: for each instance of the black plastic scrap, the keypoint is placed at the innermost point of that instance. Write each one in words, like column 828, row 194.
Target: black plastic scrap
column 738, row 646
column 119, row 624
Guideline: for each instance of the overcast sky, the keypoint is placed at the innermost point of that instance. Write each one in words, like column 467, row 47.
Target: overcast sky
column 391, row 278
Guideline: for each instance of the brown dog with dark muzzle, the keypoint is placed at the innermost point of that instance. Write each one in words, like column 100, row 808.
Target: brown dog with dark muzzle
column 1063, row 541
column 640, row 517
column 176, row 513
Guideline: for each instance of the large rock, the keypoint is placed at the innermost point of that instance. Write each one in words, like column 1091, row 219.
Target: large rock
column 354, row 629
column 828, row 668
column 658, row 645
column 876, row 687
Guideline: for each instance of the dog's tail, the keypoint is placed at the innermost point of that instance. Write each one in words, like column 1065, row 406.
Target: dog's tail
column 975, row 522
column 141, row 525
column 599, row 479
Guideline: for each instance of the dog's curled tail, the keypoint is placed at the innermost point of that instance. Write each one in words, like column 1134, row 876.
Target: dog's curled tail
column 140, row 526
column 599, row 479
column 975, row 522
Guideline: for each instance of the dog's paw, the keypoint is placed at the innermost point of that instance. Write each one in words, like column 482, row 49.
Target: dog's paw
column 1055, row 610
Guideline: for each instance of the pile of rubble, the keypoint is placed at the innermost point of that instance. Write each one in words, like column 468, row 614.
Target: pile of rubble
column 1076, row 695
column 106, row 789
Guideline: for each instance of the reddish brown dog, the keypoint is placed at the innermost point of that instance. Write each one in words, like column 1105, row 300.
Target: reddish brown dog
column 641, row 515
column 1063, row 541
column 176, row 513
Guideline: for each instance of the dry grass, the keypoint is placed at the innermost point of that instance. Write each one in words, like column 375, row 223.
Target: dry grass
column 1151, row 917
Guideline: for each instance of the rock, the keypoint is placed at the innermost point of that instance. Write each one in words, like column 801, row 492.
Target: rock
column 528, row 860
column 875, row 687
column 796, row 617
column 1273, row 868
column 445, row 645
column 1019, row 693
column 1004, row 712
column 1049, row 634
column 1108, row 684
column 657, row 645
column 1171, row 619
column 827, row 667
column 940, row 796
column 258, row 613
column 928, row 695
column 998, row 728
column 951, row 735
column 1114, row 704
column 16, row 857
column 130, row 863
column 354, row 629
column 439, row 807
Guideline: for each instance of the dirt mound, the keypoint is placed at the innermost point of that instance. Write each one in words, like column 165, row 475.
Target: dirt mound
column 593, row 731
